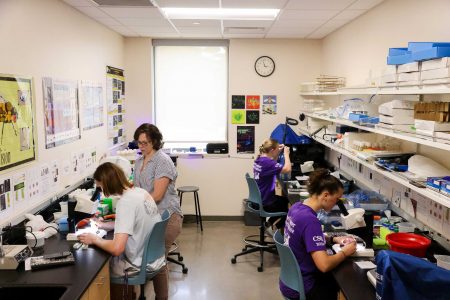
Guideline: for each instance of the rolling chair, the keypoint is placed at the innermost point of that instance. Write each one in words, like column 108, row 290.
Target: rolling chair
column 179, row 260
column 261, row 245
column 154, row 248
column 290, row 273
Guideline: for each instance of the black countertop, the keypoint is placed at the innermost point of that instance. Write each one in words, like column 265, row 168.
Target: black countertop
column 76, row 278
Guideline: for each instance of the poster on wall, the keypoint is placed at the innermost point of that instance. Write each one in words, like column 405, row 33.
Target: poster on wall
column 252, row 116
column 61, row 113
column 252, row 102
column 269, row 106
column 92, row 104
column 245, row 139
column 237, row 101
column 237, row 116
column 6, row 195
column 115, row 99
column 16, row 121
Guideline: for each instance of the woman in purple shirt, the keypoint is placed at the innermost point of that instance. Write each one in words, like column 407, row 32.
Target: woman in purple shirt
column 303, row 234
column 265, row 171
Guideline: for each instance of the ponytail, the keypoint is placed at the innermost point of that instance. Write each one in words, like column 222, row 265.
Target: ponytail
column 321, row 180
column 267, row 146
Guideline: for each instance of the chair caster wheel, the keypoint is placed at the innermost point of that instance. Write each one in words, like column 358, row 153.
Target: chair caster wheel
column 185, row 270
column 244, row 249
column 233, row 260
column 260, row 269
column 180, row 258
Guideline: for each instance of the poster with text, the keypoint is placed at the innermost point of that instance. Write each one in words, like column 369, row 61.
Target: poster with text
column 115, row 98
column 92, row 104
column 61, row 113
column 269, row 106
column 245, row 139
column 17, row 141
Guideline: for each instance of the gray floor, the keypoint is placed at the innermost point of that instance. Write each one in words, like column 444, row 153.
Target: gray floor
column 211, row 274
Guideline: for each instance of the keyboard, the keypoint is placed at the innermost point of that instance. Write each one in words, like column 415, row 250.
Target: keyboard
column 39, row 262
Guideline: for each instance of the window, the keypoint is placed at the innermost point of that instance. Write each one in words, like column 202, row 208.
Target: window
column 190, row 91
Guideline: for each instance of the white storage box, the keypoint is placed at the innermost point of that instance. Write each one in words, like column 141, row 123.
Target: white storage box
column 443, row 135
column 397, row 120
column 388, row 107
column 409, row 67
column 438, row 63
column 436, row 73
column 388, row 78
column 390, row 69
column 437, row 81
column 412, row 76
column 405, row 128
column 429, row 127
column 397, row 112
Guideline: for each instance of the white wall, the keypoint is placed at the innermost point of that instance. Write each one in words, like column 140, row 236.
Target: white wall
column 49, row 38
column 221, row 180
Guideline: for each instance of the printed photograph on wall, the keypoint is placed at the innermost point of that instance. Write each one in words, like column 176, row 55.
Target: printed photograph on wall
column 237, row 116
column 269, row 106
column 115, row 99
column 237, row 101
column 252, row 116
column 16, row 121
column 245, row 139
column 252, row 102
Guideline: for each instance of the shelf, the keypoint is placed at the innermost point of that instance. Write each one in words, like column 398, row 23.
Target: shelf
column 435, row 196
column 382, row 91
column 410, row 137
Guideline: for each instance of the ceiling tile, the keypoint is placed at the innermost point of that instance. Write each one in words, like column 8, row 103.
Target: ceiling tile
column 253, row 3
column 335, row 23
column 318, row 4
column 206, row 30
column 299, row 23
column 109, row 21
column 285, row 35
column 143, row 22
column 123, row 30
column 76, row 3
column 133, row 12
column 244, row 36
column 92, row 12
column 188, row 4
column 291, row 31
column 202, row 36
column 295, row 14
column 190, row 23
column 321, row 33
column 246, row 23
column 153, row 30
column 349, row 14
column 365, row 4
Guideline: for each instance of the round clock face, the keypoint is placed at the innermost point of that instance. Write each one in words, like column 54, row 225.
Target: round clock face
column 264, row 66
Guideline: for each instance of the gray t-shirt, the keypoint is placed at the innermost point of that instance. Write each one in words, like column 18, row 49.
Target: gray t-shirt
column 136, row 215
column 160, row 165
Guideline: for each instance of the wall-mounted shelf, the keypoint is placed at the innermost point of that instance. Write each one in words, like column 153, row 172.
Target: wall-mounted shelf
column 435, row 196
column 382, row 91
column 410, row 137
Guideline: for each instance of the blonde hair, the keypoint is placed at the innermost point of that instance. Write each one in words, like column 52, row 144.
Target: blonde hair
column 268, row 145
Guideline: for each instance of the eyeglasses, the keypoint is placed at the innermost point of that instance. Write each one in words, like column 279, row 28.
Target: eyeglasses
column 143, row 143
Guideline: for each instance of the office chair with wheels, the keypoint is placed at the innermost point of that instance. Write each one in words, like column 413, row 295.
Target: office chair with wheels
column 173, row 251
column 290, row 273
column 255, row 205
column 154, row 248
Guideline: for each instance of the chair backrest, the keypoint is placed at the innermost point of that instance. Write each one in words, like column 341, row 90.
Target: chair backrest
column 155, row 246
column 254, row 195
column 290, row 273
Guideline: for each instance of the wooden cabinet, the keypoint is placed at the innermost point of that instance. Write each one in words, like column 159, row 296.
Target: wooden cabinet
column 99, row 288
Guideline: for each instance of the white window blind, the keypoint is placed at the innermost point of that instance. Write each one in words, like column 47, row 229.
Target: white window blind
column 190, row 90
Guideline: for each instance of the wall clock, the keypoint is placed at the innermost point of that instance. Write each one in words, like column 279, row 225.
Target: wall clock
column 264, row 66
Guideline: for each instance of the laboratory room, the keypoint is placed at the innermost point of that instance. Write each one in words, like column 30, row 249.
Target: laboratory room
column 224, row 149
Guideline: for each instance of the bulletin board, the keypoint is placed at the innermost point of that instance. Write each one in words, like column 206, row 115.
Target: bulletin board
column 115, row 99
column 16, row 121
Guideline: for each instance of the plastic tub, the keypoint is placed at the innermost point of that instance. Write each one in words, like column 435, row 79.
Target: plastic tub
column 443, row 261
column 405, row 227
column 408, row 243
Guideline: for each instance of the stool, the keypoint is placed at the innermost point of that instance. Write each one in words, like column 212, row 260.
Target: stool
column 179, row 257
column 192, row 189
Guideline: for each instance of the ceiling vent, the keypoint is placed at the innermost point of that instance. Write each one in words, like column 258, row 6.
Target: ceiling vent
column 243, row 30
column 142, row 3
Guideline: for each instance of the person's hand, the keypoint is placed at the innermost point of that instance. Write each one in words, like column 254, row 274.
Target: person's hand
column 286, row 151
column 280, row 146
column 349, row 249
column 343, row 240
column 87, row 238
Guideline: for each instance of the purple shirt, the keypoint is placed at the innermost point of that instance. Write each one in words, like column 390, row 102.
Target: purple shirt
column 265, row 171
column 303, row 233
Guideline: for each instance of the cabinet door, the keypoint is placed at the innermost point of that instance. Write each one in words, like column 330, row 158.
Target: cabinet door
column 99, row 288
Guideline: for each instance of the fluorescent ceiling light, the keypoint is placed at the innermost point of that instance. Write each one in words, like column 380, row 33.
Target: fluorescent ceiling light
column 220, row 13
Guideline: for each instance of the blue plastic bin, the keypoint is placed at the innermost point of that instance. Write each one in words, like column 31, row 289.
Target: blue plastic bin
column 432, row 53
column 420, row 46
column 400, row 59
column 397, row 51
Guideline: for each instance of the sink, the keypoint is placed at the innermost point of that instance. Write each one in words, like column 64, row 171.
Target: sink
column 30, row 292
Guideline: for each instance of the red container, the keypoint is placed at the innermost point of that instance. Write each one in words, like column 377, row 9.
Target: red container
column 408, row 243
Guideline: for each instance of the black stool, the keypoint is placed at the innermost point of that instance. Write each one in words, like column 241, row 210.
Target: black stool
column 179, row 257
column 192, row 189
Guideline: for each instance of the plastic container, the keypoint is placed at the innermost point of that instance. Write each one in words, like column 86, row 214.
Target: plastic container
column 443, row 261
column 405, row 227
column 408, row 243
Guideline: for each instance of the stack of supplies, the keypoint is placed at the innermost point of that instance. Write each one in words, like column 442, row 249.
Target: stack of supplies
column 389, row 78
column 408, row 74
column 432, row 117
column 397, row 115
column 436, row 71
column 326, row 83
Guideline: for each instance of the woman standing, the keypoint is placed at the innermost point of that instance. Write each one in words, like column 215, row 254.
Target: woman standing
column 265, row 171
column 155, row 172
column 303, row 234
